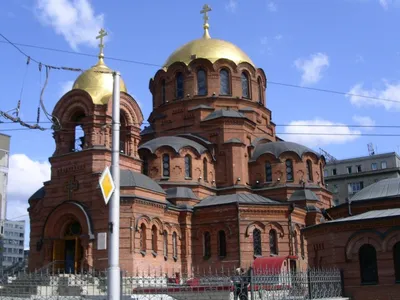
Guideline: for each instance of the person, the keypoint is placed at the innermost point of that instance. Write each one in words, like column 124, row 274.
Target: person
column 241, row 282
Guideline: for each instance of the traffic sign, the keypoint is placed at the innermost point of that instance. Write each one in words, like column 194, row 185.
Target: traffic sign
column 107, row 185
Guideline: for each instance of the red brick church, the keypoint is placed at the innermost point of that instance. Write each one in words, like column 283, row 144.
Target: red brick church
column 207, row 183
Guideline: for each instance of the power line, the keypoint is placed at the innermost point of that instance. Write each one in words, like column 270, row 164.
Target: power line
column 160, row 66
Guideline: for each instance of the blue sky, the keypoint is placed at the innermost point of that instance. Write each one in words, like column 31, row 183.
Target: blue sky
column 342, row 45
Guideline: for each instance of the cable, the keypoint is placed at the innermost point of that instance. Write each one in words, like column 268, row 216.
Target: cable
column 160, row 66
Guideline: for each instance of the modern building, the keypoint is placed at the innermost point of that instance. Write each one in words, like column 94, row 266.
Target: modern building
column 207, row 184
column 4, row 160
column 12, row 243
column 344, row 178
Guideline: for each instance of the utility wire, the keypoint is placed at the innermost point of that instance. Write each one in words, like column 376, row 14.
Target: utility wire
column 158, row 65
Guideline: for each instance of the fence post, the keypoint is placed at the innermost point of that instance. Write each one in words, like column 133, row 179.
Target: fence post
column 251, row 284
column 121, row 284
column 309, row 284
column 342, row 282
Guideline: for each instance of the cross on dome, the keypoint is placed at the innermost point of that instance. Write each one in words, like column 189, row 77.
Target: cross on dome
column 205, row 11
column 102, row 34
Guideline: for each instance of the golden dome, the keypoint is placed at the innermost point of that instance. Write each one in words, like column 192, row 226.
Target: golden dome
column 99, row 85
column 98, row 80
column 208, row 48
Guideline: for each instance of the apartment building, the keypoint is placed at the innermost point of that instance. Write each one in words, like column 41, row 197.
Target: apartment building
column 348, row 176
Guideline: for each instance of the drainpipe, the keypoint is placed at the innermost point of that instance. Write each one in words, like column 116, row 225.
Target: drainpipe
column 239, row 235
column 349, row 206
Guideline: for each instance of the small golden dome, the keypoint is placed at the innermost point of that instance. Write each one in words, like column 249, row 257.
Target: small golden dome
column 98, row 80
column 208, row 48
column 99, row 85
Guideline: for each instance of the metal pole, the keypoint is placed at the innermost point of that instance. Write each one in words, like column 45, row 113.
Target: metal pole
column 113, row 249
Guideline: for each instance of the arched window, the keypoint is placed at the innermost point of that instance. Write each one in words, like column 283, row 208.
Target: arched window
column 165, row 243
column 174, row 245
column 268, row 172
column 154, row 238
column 273, row 242
column 201, row 83
column 396, row 260
column 146, row 166
column 368, row 264
column 163, row 99
column 166, row 165
column 206, row 245
column 78, row 139
column 309, row 170
column 123, row 141
column 188, row 166
column 296, row 243
column 224, row 86
column 289, row 170
column 221, row 243
column 179, row 86
column 143, row 237
column 302, row 245
column 260, row 90
column 245, row 85
column 257, row 242
column 205, row 169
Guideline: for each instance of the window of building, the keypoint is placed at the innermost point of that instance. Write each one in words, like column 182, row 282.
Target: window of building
column 396, row 260
column 296, row 243
column 221, row 243
column 179, row 86
column 245, row 85
column 383, row 164
column 260, row 90
column 188, row 166
column 205, row 169
column 174, row 245
column 349, row 170
column 206, row 245
column 273, row 242
column 289, row 170
column 163, row 98
column 359, row 168
column 309, row 170
column 325, row 173
column 334, row 172
column 145, row 166
column 154, row 238
column 224, row 88
column 335, row 189
column 268, row 172
column 302, row 250
column 201, row 83
column 257, row 242
column 368, row 264
column 166, row 165
column 355, row 187
column 143, row 238
column 165, row 244
column 336, row 202
column 374, row 166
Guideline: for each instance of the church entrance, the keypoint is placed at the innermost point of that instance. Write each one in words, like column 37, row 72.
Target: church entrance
column 68, row 251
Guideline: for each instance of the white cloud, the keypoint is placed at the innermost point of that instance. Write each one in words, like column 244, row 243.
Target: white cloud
column 75, row 20
column 66, row 86
column 312, row 67
column 384, row 4
column 319, row 132
column 272, row 6
column 25, row 177
column 231, row 5
column 364, row 121
column 390, row 96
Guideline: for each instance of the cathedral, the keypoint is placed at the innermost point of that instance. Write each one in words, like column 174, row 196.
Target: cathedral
column 207, row 184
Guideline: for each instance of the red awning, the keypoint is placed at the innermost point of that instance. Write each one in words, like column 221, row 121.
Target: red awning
column 271, row 265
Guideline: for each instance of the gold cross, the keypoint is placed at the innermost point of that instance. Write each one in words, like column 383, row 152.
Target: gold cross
column 205, row 11
column 102, row 34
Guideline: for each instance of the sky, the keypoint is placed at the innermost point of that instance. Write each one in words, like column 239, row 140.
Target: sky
column 348, row 46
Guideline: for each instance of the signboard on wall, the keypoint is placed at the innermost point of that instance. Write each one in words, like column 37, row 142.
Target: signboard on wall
column 102, row 241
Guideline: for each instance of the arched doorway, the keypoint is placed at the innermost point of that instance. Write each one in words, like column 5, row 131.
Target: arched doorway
column 68, row 250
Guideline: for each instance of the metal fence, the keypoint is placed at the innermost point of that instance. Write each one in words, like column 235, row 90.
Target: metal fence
column 228, row 284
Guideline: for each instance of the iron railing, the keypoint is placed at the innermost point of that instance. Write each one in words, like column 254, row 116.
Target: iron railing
column 222, row 284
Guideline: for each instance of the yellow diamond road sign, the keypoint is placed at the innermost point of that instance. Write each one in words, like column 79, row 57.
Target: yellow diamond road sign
column 106, row 184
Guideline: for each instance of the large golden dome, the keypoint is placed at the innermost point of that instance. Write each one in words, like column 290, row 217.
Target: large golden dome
column 208, row 48
column 98, row 84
